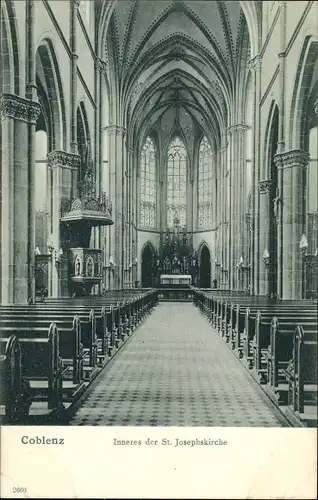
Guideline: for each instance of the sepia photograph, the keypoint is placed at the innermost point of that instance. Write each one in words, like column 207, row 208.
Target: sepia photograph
column 159, row 218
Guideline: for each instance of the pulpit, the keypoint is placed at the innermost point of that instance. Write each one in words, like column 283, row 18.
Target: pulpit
column 85, row 264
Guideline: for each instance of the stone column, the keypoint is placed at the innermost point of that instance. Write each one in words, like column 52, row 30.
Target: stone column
column 255, row 68
column 117, row 168
column 63, row 166
column 290, row 219
column 237, row 149
column 100, row 68
column 19, row 116
column 74, row 4
column 222, row 189
column 7, row 199
column 265, row 189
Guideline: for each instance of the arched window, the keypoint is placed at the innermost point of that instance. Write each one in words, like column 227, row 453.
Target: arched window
column 205, row 184
column 148, row 191
column 177, row 184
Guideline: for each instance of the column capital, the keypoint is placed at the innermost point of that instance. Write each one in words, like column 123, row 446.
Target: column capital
column 63, row 159
column 100, row 65
column 292, row 158
column 239, row 127
column 129, row 148
column 115, row 130
column 254, row 64
column 316, row 107
column 76, row 3
column 20, row 108
column 265, row 187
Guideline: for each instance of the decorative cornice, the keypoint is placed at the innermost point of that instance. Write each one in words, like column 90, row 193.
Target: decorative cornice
column 115, row 130
column 292, row 158
column 100, row 65
column 265, row 187
column 63, row 159
column 19, row 108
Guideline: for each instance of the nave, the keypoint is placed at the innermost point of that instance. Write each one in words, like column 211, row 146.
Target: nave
column 176, row 371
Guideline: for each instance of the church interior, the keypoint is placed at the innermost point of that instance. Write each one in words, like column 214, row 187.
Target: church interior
column 159, row 221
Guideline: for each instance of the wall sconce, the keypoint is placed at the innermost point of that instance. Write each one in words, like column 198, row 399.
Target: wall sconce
column 136, row 260
column 37, row 251
column 266, row 257
column 303, row 245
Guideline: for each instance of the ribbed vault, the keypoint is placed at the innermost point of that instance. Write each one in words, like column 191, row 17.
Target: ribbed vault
column 176, row 66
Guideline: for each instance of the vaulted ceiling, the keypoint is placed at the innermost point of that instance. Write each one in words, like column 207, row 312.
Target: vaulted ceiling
column 177, row 64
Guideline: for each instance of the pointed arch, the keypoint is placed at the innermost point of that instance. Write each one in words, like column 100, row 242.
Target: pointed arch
column 303, row 84
column 51, row 93
column 204, row 258
column 10, row 74
column 148, row 256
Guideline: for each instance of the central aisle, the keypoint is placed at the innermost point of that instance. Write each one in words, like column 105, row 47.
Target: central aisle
column 176, row 370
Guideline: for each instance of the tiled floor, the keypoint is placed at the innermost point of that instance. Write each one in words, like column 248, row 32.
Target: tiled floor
column 175, row 370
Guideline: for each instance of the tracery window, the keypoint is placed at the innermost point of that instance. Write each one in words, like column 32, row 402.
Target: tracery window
column 205, row 184
column 148, row 191
column 177, row 184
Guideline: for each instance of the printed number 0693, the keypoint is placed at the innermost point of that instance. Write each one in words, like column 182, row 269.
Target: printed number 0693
column 19, row 490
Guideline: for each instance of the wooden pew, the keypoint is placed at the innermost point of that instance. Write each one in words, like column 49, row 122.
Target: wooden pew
column 70, row 344
column 301, row 373
column 14, row 389
column 43, row 368
column 245, row 323
column 280, row 351
column 94, row 334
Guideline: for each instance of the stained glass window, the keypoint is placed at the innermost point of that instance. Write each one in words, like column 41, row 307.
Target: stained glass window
column 148, row 192
column 205, row 184
column 177, row 184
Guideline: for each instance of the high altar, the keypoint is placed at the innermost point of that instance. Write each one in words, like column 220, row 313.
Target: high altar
column 177, row 264
column 175, row 279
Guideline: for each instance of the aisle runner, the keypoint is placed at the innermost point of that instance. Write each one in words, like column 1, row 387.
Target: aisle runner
column 176, row 370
